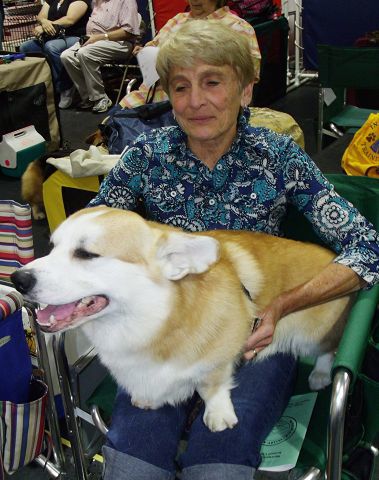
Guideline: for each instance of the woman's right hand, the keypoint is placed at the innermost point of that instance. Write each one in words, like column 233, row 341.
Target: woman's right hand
column 137, row 49
column 38, row 31
column 47, row 26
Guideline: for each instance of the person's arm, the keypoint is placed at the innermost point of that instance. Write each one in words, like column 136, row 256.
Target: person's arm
column 75, row 12
column 115, row 35
column 128, row 26
column 167, row 28
column 334, row 281
column 336, row 222
column 43, row 20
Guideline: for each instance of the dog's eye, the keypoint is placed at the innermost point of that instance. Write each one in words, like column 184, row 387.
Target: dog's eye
column 84, row 254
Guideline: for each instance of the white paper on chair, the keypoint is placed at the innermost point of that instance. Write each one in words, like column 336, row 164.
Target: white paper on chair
column 329, row 96
column 281, row 448
column 147, row 58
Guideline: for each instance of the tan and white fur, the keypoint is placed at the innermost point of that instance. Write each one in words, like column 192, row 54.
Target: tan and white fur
column 31, row 188
column 166, row 309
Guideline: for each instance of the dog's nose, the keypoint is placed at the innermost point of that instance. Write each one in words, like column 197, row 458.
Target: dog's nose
column 24, row 281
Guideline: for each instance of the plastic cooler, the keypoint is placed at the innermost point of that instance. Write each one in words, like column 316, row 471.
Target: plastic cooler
column 19, row 148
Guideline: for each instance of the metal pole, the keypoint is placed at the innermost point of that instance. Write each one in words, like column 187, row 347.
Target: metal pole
column 338, row 405
column 69, row 407
column 52, row 416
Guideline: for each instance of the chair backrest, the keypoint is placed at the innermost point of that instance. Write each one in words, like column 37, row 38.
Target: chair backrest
column 348, row 67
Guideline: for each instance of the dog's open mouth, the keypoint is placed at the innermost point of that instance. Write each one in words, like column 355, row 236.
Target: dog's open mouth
column 58, row 317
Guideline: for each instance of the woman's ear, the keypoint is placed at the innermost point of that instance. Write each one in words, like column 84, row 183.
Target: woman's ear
column 247, row 94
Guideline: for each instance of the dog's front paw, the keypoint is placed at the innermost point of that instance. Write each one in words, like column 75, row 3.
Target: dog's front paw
column 218, row 420
column 38, row 213
column 318, row 380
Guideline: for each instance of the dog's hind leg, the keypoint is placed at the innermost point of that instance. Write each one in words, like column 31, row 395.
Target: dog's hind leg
column 215, row 391
column 320, row 376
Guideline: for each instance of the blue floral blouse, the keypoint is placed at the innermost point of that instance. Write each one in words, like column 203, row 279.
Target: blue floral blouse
column 250, row 188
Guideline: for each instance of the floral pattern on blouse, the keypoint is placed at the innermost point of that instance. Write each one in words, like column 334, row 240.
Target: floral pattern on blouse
column 250, row 188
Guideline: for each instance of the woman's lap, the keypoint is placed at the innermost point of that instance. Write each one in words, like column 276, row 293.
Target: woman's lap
column 55, row 46
column 262, row 392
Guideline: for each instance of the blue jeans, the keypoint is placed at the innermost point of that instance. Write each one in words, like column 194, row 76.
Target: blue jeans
column 53, row 49
column 144, row 443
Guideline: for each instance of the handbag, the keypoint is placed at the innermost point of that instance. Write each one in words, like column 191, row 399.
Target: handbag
column 60, row 32
column 124, row 125
column 22, row 429
column 362, row 155
column 22, row 397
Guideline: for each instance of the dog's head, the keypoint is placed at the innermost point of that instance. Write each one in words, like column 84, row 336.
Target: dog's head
column 106, row 261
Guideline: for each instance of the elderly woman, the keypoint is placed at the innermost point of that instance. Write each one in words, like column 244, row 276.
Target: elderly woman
column 199, row 9
column 214, row 171
column 72, row 16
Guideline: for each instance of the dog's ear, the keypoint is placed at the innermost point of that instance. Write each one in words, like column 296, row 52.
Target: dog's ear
column 180, row 254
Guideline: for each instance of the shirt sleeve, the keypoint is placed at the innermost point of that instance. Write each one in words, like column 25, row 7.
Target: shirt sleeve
column 247, row 30
column 334, row 219
column 122, row 186
column 170, row 26
column 129, row 18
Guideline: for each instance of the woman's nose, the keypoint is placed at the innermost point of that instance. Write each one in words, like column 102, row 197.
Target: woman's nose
column 197, row 97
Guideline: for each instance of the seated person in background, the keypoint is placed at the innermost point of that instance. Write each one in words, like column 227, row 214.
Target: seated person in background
column 205, row 9
column 214, row 171
column 112, row 30
column 72, row 15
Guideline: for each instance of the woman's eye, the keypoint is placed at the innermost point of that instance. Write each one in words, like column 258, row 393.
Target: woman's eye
column 179, row 88
column 213, row 83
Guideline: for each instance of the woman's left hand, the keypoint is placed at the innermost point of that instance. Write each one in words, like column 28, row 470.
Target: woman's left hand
column 48, row 26
column 262, row 336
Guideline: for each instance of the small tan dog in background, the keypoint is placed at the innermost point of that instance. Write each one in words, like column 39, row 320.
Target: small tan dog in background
column 167, row 310
column 31, row 188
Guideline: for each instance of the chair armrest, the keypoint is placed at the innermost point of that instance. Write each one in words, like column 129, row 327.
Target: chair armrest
column 353, row 344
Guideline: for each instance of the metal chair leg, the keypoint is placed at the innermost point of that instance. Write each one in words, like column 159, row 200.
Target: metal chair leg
column 68, row 403
column 57, row 467
column 336, row 424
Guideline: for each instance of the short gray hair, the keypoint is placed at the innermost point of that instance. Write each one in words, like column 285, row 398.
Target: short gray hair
column 208, row 41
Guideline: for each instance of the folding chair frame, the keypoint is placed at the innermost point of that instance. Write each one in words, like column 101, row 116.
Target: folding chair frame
column 341, row 68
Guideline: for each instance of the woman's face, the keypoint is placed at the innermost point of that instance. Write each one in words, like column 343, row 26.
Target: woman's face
column 206, row 100
column 202, row 8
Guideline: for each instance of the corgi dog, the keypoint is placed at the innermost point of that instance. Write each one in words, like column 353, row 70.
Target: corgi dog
column 169, row 312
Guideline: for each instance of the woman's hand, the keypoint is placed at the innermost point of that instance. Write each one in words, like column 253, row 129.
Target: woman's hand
column 137, row 49
column 47, row 26
column 262, row 335
column 38, row 31
column 335, row 280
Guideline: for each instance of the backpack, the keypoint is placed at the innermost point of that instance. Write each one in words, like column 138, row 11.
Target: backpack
column 124, row 125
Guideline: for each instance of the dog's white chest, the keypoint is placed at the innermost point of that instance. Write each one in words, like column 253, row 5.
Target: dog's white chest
column 153, row 384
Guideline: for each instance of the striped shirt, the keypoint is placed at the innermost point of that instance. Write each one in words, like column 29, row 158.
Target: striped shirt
column 224, row 15
column 108, row 15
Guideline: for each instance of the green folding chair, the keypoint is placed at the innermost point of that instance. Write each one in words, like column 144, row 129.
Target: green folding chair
column 341, row 68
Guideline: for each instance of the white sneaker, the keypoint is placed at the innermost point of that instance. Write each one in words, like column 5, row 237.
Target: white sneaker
column 66, row 98
column 102, row 105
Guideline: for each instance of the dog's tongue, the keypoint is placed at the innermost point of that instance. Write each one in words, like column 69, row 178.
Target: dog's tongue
column 60, row 312
column 67, row 313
